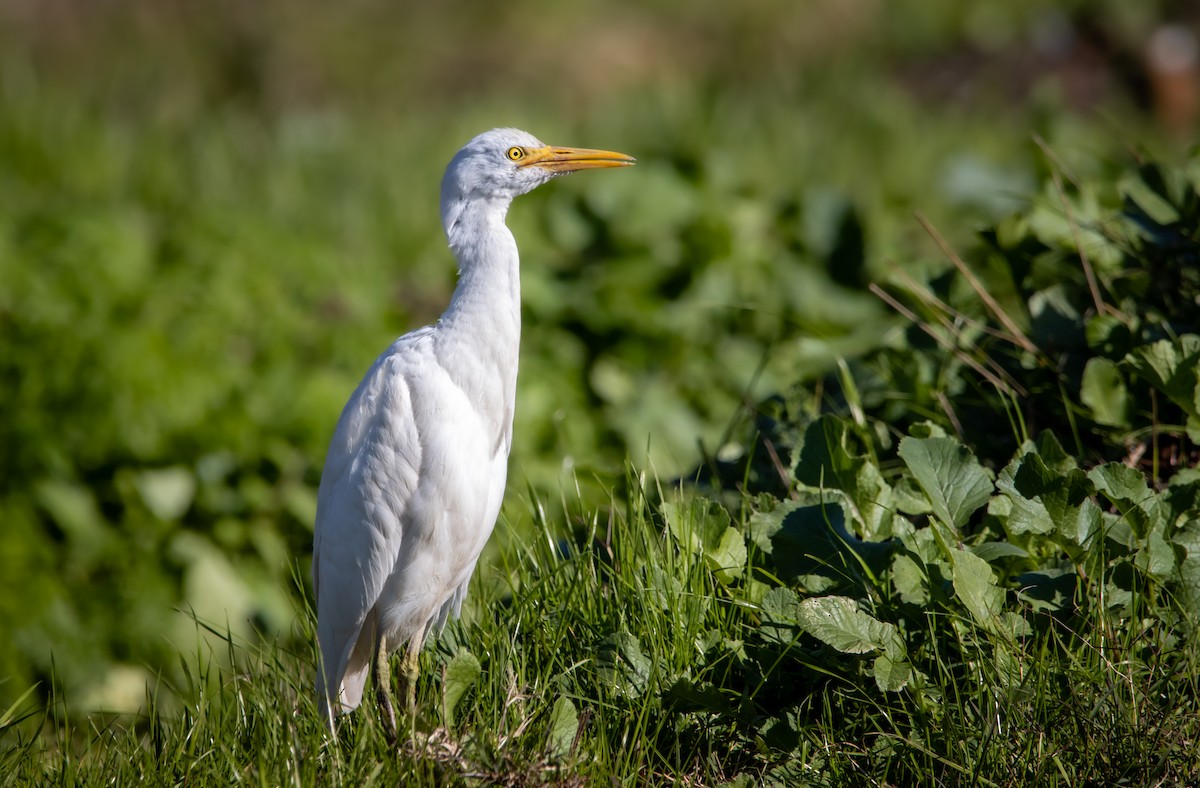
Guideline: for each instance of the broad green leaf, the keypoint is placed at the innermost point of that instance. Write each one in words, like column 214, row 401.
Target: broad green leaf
column 1009, row 670
column 1055, row 317
column 1183, row 492
column 781, row 604
column 1052, row 453
column 560, row 734
column 1000, row 506
column 688, row 695
column 1118, row 531
column 216, row 591
column 1014, row 625
column 873, row 501
column 909, row 497
column 1108, row 335
column 909, row 580
column 1103, row 391
column 704, row 527
column 73, row 509
column 1119, row 590
column 663, row 588
column 951, row 477
column 167, row 492
column 621, row 662
column 827, row 459
column 1056, row 228
column 728, row 559
column 460, row 675
column 763, row 526
column 975, row 585
column 1156, row 556
column 831, row 459
column 1063, row 493
column 1170, row 367
column 708, row 641
column 1044, row 500
column 777, row 734
column 919, row 541
column 810, row 546
column 990, row 551
column 891, row 675
column 1048, row 590
column 1019, row 513
column 792, row 772
column 1126, row 488
column 1082, row 525
column 836, row 621
column 927, row 429
column 697, row 523
column 1120, row 483
column 1188, row 538
column 754, row 591
column 1145, row 198
column 780, row 616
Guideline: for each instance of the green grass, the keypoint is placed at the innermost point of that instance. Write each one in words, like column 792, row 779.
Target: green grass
column 618, row 655
column 541, row 636
column 792, row 501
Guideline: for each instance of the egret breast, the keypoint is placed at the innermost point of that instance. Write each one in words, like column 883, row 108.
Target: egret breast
column 450, row 515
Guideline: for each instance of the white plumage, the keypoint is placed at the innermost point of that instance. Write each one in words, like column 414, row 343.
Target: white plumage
column 415, row 473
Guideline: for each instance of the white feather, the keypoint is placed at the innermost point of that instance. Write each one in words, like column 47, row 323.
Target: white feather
column 415, row 473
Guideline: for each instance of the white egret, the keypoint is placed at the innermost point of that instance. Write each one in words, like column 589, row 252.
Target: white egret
column 415, row 473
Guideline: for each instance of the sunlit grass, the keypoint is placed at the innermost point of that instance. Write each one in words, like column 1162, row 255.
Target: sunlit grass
column 608, row 653
column 205, row 239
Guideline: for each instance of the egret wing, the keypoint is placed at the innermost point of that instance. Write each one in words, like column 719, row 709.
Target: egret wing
column 370, row 475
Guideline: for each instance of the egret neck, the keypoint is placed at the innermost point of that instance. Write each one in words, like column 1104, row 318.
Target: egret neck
column 482, row 325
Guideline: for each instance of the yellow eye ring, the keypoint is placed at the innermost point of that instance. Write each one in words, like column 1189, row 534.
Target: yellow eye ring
column 515, row 153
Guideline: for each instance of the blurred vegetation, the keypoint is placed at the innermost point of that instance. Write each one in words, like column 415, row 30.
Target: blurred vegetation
column 858, row 598
column 214, row 215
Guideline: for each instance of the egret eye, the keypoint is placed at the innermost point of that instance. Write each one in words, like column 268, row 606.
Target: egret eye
column 515, row 153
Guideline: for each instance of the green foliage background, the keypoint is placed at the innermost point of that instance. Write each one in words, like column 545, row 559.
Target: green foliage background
column 214, row 215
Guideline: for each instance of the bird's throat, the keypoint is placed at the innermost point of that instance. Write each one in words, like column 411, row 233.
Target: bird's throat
column 481, row 329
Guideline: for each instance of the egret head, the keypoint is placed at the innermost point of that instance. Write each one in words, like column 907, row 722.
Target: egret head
column 501, row 164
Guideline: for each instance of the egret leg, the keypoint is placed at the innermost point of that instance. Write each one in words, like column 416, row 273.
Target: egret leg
column 410, row 670
column 383, row 690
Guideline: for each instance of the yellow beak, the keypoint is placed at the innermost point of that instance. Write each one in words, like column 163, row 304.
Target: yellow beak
column 558, row 159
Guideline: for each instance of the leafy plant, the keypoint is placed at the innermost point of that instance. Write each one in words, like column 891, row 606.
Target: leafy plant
column 958, row 544
column 942, row 583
